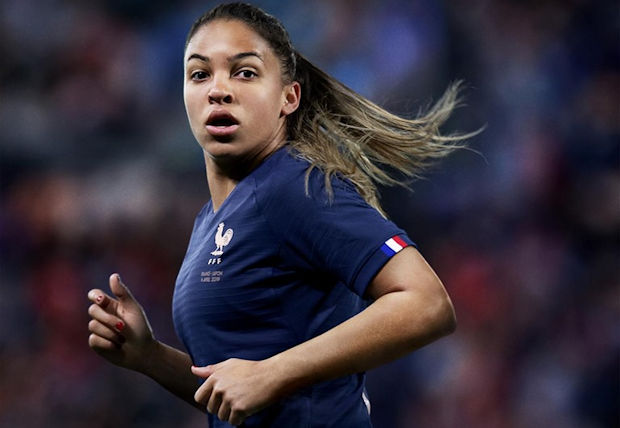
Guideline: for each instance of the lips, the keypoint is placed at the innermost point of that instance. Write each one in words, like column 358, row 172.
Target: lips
column 221, row 123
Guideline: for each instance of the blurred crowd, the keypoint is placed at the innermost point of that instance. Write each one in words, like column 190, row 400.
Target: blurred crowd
column 99, row 173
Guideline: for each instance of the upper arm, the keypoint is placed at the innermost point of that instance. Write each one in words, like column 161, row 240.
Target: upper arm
column 408, row 272
column 405, row 271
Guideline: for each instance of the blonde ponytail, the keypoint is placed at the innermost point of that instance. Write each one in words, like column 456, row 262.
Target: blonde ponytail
column 341, row 132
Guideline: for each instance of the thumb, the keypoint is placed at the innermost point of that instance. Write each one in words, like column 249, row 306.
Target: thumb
column 203, row 372
column 119, row 289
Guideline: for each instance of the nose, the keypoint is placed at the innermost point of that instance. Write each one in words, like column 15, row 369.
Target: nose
column 220, row 93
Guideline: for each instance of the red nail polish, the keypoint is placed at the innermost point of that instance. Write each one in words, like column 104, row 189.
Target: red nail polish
column 120, row 326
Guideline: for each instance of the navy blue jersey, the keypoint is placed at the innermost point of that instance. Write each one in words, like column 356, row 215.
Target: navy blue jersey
column 274, row 267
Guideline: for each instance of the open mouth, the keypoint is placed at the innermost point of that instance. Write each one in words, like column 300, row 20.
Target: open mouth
column 221, row 119
column 221, row 123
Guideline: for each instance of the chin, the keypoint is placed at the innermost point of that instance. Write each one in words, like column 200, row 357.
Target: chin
column 223, row 138
column 216, row 144
column 222, row 149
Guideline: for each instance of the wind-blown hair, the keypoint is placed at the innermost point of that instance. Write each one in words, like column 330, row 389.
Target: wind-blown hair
column 341, row 132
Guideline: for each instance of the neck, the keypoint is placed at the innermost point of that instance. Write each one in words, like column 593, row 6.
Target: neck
column 223, row 175
column 220, row 185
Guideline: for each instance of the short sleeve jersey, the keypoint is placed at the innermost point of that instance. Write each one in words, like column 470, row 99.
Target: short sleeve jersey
column 275, row 266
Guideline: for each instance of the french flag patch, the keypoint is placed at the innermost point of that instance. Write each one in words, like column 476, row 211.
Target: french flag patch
column 393, row 246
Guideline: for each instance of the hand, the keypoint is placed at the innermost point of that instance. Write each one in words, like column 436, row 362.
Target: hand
column 120, row 331
column 235, row 389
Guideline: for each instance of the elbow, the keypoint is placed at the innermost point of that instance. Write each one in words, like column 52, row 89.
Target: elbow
column 430, row 321
column 448, row 318
column 441, row 317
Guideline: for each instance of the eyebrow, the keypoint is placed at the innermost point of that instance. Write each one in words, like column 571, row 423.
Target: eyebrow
column 229, row 59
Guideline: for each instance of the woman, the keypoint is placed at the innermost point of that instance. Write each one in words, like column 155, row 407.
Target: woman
column 268, row 301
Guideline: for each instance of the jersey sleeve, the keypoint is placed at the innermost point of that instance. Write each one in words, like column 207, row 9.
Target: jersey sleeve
column 341, row 236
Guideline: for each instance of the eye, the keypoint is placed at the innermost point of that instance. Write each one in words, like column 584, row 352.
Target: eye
column 246, row 74
column 199, row 75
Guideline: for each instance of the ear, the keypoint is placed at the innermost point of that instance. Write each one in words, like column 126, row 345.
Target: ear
column 292, row 98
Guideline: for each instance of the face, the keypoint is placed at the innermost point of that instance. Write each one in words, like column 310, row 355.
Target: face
column 234, row 93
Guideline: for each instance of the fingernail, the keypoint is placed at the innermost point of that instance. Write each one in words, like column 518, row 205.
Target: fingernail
column 120, row 326
column 99, row 299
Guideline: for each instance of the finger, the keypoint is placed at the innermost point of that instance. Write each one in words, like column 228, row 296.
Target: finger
column 203, row 393
column 111, row 321
column 120, row 290
column 100, row 344
column 102, row 299
column 215, row 402
column 224, row 412
column 203, row 372
column 105, row 332
column 236, row 418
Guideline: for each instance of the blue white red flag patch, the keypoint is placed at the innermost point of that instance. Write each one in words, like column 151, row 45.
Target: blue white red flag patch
column 393, row 246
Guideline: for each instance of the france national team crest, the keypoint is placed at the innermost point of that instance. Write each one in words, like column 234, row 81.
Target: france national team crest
column 222, row 239
column 393, row 246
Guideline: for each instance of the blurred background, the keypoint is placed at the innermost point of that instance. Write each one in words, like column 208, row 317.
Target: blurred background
column 99, row 173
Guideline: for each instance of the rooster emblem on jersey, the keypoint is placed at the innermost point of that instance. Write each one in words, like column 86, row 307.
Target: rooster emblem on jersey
column 221, row 239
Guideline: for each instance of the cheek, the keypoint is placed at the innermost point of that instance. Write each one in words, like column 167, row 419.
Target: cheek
column 191, row 106
column 268, row 108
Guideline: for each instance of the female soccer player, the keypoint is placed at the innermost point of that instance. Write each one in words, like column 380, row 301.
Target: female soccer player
column 269, row 299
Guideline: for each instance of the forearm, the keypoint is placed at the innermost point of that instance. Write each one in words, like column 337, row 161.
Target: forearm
column 389, row 328
column 411, row 309
column 171, row 368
